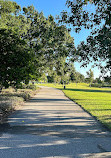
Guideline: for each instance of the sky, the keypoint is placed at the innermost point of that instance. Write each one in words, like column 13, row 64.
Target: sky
column 54, row 7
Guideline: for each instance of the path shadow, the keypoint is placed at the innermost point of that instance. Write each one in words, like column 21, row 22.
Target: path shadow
column 48, row 100
column 37, row 123
column 50, row 133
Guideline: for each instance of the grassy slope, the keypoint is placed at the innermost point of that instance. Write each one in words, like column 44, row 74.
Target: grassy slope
column 97, row 101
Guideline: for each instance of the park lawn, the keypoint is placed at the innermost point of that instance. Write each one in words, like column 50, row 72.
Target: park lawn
column 97, row 101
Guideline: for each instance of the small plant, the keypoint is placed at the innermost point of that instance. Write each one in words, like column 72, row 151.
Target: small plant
column 31, row 86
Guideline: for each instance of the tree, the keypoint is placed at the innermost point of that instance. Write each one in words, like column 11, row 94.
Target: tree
column 57, row 79
column 15, row 54
column 107, row 79
column 61, row 68
column 48, row 40
column 82, row 78
column 72, row 71
column 90, row 76
column 30, row 43
column 98, row 45
column 77, row 77
column 43, row 78
column 15, row 59
column 98, row 80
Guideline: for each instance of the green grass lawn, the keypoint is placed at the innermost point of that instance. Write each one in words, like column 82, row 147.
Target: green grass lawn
column 97, row 101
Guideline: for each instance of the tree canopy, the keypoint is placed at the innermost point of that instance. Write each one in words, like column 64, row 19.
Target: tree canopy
column 30, row 43
column 15, row 54
column 98, row 44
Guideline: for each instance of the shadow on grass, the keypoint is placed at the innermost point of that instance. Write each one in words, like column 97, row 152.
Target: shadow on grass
column 87, row 90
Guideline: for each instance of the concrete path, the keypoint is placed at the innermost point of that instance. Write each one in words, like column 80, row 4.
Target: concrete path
column 50, row 125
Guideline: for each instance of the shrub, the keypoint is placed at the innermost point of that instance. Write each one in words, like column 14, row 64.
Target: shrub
column 31, row 86
column 8, row 103
column 96, row 85
column 8, row 90
column 9, row 98
column 24, row 95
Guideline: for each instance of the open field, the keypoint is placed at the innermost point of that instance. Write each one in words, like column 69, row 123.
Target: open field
column 97, row 101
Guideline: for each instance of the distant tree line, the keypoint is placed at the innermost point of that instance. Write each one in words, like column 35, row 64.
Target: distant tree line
column 63, row 73
column 69, row 75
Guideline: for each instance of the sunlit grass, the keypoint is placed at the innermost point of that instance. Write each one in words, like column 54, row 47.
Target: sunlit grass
column 97, row 101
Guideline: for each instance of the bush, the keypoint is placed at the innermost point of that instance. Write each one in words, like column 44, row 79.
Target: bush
column 29, row 86
column 9, row 98
column 24, row 95
column 8, row 103
column 96, row 85
column 8, row 90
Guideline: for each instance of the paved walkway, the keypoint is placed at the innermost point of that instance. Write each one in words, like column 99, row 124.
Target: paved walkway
column 50, row 125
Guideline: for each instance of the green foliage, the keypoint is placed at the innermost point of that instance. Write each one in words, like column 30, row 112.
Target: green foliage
column 15, row 59
column 98, row 45
column 90, row 76
column 21, row 86
column 107, row 79
column 31, row 86
column 50, row 79
column 76, row 76
column 57, row 79
column 98, row 80
column 43, row 78
column 64, row 72
column 15, row 53
column 29, row 43
column 100, row 85
column 27, row 86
